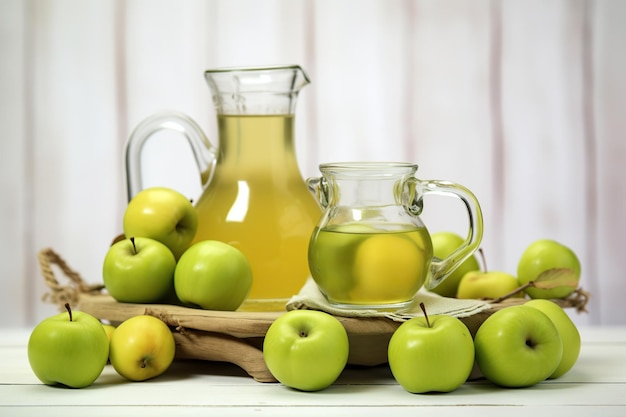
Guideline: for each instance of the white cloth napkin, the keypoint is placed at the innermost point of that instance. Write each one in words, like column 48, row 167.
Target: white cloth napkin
column 311, row 298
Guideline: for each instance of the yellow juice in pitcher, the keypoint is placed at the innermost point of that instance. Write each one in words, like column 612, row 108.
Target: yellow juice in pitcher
column 358, row 263
column 258, row 202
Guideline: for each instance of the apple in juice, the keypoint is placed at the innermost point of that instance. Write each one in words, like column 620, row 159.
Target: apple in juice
column 368, row 264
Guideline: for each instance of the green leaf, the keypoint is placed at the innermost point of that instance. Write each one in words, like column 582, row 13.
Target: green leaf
column 556, row 277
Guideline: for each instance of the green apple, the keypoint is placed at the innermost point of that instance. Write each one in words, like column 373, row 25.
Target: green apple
column 327, row 254
column 139, row 270
column 213, row 275
column 306, row 349
column 547, row 256
column 162, row 214
column 142, row 347
column 570, row 337
column 483, row 285
column 70, row 349
column 444, row 243
column 433, row 354
column 517, row 346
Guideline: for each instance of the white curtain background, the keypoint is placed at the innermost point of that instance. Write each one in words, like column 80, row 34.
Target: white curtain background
column 522, row 101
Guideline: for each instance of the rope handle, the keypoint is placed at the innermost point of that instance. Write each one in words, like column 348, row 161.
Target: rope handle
column 61, row 294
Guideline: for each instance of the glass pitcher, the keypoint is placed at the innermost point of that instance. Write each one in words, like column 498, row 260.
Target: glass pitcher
column 254, row 196
column 370, row 249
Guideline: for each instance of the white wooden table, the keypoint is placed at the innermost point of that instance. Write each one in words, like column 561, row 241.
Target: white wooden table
column 596, row 386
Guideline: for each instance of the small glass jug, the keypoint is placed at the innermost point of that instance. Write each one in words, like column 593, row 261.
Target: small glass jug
column 254, row 196
column 370, row 249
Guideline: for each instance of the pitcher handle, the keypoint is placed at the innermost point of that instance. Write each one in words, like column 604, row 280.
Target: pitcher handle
column 442, row 268
column 318, row 186
column 203, row 150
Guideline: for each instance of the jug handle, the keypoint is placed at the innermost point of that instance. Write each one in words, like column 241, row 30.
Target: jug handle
column 441, row 268
column 318, row 186
column 203, row 150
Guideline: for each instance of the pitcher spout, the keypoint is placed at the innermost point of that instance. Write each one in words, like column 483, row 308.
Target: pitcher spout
column 256, row 90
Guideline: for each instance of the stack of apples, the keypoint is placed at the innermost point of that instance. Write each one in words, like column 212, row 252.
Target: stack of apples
column 72, row 348
column 546, row 269
column 154, row 262
column 157, row 262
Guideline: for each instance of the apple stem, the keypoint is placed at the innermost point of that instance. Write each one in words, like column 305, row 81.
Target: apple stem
column 69, row 310
column 515, row 291
column 483, row 259
column 132, row 240
column 423, row 307
column 144, row 363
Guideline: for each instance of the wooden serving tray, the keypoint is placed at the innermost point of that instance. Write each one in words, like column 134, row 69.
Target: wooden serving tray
column 237, row 337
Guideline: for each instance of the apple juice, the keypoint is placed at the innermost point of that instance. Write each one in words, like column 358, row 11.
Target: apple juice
column 258, row 202
column 370, row 265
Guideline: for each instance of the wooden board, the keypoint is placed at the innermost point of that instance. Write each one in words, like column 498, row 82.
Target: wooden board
column 237, row 337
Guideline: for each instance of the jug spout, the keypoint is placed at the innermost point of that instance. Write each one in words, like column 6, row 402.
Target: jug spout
column 256, row 91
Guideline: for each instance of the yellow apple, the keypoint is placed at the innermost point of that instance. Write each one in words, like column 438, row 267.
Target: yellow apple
column 493, row 284
column 142, row 347
column 388, row 269
column 162, row 214
column 108, row 329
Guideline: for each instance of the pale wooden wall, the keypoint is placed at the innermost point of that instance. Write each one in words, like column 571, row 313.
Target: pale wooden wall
column 521, row 101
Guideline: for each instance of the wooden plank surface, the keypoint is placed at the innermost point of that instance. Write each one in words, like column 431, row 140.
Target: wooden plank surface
column 594, row 386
